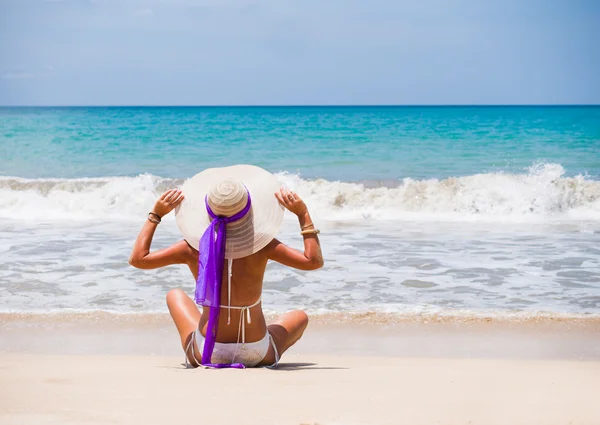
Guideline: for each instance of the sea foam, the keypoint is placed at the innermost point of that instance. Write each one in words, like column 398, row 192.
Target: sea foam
column 540, row 193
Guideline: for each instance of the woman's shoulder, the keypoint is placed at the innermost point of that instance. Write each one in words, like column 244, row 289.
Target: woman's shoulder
column 186, row 251
column 271, row 246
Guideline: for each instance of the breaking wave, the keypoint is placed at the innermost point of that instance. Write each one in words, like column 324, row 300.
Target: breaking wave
column 540, row 193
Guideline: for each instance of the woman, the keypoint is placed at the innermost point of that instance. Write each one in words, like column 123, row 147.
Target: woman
column 233, row 213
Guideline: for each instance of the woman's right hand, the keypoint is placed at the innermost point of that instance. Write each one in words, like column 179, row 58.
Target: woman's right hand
column 291, row 201
column 167, row 202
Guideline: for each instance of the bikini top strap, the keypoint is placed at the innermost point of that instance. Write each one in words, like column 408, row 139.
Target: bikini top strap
column 229, row 272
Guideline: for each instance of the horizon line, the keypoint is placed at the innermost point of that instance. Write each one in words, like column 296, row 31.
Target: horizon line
column 307, row 105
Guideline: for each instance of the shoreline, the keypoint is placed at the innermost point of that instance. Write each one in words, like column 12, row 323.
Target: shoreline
column 356, row 335
column 328, row 318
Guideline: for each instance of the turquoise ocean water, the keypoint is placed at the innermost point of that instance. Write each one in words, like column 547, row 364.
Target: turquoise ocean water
column 334, row 143
column 461, row 210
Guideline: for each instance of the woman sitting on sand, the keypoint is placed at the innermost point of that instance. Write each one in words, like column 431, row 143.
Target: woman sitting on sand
column 232, row 214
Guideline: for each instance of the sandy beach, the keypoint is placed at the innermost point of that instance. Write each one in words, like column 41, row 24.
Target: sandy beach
column 128, row 370
column 305, row 390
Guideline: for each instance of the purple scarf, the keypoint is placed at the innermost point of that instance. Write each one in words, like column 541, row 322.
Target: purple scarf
column 210, row 276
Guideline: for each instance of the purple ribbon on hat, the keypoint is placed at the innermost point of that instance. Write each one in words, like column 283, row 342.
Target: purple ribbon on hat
column 210, row 276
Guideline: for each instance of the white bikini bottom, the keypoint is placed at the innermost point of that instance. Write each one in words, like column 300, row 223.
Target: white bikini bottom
column 247, row 353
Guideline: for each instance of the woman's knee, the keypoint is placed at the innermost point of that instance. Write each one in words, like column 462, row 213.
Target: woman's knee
column 174, row 296
column 301, row 318
column 304, row 318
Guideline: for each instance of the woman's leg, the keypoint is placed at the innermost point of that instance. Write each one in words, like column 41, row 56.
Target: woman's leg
column 285, row 331
column 185, row 314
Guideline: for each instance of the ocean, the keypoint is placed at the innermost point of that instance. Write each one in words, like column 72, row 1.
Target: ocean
column 465, row 211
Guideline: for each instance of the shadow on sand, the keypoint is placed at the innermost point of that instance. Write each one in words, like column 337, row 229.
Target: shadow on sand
column 284, row 367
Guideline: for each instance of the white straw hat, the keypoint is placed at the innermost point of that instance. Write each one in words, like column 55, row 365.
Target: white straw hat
column 225, row 190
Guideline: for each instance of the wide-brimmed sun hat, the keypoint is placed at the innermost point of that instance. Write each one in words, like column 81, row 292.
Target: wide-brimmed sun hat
column 226, row 191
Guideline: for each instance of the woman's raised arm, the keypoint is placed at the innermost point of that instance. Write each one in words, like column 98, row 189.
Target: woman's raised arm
column 311, row 258
column 179, row 253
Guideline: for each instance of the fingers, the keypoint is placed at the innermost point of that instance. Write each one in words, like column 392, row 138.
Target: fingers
column 287, row 198
column 178, row 199
column 283, row 197
column 288, row 194
column 292, row 197
column 169, row 200
column 279, row 198
column 166, row 194
column 174, row 197
column 174, row 193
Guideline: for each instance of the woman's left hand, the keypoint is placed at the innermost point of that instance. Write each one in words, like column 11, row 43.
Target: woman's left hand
column 291, row 201
column 167, row 202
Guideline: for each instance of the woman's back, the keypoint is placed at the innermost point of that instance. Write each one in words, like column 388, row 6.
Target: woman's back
column 246, row 289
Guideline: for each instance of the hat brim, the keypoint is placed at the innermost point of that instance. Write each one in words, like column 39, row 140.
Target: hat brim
column 251, row 234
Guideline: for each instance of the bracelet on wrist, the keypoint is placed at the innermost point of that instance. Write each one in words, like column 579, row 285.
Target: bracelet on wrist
column 310, row 232
column 306, row 226
column 153, row 217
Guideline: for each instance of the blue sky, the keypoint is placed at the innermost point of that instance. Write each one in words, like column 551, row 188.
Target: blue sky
column 230, row 52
